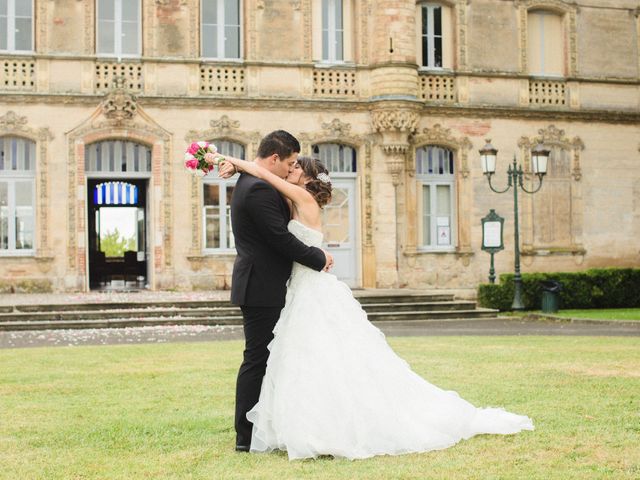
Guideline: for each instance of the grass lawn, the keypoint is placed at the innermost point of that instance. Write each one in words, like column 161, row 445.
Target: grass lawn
column 165, row 411
column 602, row 314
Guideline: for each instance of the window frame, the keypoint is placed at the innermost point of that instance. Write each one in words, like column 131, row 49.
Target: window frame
column 11, row 30
column 11, row 177
column 220, row 33
column 331, row 55
column 542, row 72
column 430, row 7
column 433, row 181
column 117, row 46
column 222, row 184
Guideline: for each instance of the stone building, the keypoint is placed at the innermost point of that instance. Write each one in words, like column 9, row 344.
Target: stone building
column 99, row 99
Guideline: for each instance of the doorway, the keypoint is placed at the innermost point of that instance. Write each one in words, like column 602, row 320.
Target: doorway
column 117, row 226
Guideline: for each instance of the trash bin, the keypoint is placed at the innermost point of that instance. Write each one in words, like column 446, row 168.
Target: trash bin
column 550, row 295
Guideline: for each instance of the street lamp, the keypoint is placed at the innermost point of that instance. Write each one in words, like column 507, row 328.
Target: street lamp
column 515, row 174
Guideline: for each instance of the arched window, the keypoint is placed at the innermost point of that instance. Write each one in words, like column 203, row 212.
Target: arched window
column 117, row 156
column 545, row 40
column 216, row 201
column 436, row 182
column 435, row 45
column 338, row 158
column 17, row 195
column 220, row 29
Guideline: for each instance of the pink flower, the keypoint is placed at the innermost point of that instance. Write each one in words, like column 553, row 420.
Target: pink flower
column 193, row 148
column 191, row 164
column 210, row 158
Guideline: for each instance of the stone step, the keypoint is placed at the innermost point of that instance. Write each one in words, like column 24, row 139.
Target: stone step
column 115, row 322
column 87, row 306
column 422, row 306
column 108, row 312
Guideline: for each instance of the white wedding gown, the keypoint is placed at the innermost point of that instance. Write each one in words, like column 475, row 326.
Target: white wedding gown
column 333, row 386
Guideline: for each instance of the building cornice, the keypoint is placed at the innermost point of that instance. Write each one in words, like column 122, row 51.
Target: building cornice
column 360, row 106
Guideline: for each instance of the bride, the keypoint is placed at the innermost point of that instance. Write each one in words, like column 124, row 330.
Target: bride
column 333, row 386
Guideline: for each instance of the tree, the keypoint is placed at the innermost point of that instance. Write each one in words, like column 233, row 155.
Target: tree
column 114, row 245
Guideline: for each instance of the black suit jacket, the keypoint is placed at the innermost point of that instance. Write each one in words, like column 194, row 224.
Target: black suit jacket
column 266, row 249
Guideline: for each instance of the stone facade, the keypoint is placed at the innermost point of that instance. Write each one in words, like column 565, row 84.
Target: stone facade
column 381, row 102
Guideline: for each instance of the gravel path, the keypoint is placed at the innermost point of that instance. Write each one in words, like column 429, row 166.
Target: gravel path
column 201, row 333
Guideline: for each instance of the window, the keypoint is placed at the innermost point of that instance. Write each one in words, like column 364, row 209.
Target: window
column 117, row 156
column 16, row 25
column 17, row 195
column 119, row 32
column 217, row 203
column 220, row 29
column 436, row 183
column 435, row 45
column 332, row 31
column 545, row 43
column 339, row 159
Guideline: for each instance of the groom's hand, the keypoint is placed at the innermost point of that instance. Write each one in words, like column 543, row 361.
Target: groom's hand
column 226, row 170
column 329, row 261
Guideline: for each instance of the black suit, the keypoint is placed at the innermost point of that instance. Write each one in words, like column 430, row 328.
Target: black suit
column 266, row 251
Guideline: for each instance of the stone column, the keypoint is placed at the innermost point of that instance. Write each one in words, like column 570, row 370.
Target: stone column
column 394, row 122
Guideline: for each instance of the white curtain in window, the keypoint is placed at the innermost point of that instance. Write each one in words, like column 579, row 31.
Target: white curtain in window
column 17, row 195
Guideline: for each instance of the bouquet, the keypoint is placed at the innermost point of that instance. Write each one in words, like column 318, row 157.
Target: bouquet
column 201, row 158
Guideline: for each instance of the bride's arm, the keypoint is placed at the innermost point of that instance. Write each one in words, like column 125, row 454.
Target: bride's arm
column 296, row 194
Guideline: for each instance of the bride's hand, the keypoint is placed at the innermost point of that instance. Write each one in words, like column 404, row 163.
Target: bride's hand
column 226, row 169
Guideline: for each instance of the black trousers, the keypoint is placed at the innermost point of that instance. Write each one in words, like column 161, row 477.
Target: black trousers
column 258, row 332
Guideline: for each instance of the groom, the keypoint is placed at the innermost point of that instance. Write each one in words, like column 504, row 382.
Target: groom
column 266, row 252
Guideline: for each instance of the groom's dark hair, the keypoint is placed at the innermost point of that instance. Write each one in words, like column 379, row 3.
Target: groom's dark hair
column 280, row 142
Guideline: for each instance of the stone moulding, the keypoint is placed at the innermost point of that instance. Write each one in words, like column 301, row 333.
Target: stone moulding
column 552, row 136
column 143, row 129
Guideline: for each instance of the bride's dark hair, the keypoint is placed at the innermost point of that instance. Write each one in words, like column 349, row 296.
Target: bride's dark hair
column 320, row 190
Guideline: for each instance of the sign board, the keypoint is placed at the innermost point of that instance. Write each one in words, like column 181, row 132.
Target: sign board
column 492, row 227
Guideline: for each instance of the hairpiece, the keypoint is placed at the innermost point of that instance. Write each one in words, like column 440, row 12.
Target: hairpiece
column 323, row 177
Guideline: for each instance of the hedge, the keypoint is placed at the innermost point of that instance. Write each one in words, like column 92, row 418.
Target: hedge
column 595, row 288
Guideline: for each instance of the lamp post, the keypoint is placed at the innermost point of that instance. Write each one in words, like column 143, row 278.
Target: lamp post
column 515, row 175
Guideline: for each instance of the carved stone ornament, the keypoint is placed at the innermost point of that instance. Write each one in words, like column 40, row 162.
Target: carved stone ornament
column 337, row 129
column 394, row 121
column 10, row 121
column 119, row 105
column 554, row 137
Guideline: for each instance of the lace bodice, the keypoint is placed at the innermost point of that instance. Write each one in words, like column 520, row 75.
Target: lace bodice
column 306, row 235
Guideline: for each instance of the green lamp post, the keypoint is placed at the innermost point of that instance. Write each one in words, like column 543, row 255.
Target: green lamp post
column 515, row 175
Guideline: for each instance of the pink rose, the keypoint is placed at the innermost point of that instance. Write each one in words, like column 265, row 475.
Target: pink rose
column 210, row 158
column 191, row 164
column 193, row 148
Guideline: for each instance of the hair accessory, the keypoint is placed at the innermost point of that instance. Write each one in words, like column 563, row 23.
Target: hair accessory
column 324, row 178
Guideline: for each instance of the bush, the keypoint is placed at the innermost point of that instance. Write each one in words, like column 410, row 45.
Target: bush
column 595, row 288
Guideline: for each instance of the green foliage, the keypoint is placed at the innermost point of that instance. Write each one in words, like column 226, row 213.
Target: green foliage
column 595, row 288
column 114, row 245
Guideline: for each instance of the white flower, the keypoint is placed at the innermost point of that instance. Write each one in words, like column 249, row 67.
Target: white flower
column 212, row 148
column 188, row 156
column 203, row 144
column 199, row 173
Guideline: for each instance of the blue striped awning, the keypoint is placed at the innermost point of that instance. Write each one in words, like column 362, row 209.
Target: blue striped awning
column 115, row 193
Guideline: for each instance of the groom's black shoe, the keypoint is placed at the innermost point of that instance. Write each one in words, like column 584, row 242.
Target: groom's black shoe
column 242, row 448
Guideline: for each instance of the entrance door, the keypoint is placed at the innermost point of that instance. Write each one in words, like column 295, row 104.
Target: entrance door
column 340, row 229
column 117, row 234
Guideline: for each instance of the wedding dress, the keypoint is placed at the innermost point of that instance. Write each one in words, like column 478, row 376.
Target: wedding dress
column 333, row 386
